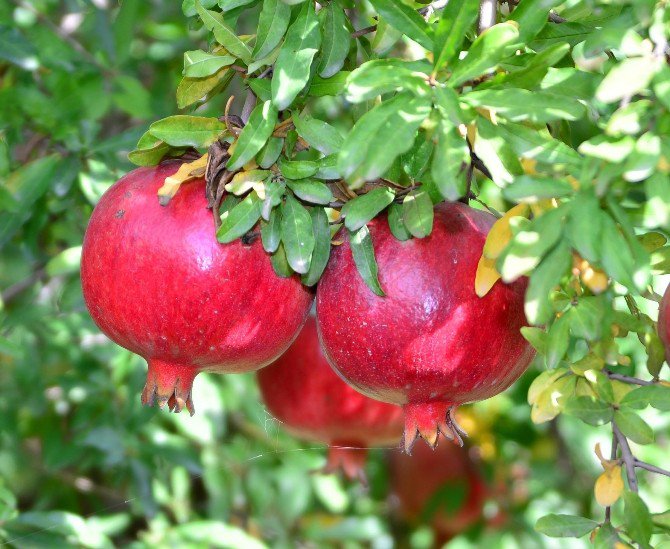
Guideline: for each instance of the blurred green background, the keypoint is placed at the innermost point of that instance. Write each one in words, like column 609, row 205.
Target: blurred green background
column 82, row 464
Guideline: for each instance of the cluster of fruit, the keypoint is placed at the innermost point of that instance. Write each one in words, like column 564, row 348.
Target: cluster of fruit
column 157, row 282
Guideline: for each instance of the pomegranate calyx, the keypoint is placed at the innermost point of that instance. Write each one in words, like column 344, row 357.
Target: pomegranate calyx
column 348, row 459
column 428, row 420
column 169, row 385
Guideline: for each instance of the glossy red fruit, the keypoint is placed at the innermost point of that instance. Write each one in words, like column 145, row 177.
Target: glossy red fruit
column 664, row 323
column 430, row 344
column 301, row 390
column 158, row 283
column 442, row 488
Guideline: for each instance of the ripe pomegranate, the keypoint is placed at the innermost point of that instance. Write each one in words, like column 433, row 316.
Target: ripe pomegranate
column 301, row 390
column 158, row 283
column 430, row 344
column 443, row 488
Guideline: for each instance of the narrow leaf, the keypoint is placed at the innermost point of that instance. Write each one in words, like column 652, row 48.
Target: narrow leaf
column 254, row 135
column 364, row 258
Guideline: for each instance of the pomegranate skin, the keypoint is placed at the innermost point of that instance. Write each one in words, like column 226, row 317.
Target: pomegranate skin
column 301, row 390
column 421, row 485
column 431, row 343
column 158, row 283
column 663, row 324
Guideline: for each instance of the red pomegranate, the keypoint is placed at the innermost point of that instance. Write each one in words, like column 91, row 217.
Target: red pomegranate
column 664, row 323
column 157, row 282
column 301, row 390
column 430, row 344
column 443, row 488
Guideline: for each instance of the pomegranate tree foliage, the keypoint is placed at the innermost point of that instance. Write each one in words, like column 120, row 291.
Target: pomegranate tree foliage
column 556, row 114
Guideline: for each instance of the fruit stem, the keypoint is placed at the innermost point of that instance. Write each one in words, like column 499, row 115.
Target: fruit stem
column 170, row 385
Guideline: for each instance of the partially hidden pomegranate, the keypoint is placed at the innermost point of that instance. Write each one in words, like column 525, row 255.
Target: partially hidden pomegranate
column 301, row 390
column 158, row 283
column 443, row 488
column 430, row 344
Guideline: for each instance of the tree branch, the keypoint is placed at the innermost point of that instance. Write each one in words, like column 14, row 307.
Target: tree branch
column 652, row 468
column 627, row 456
column 366, row 30
column 21, row 286
column 627, row 379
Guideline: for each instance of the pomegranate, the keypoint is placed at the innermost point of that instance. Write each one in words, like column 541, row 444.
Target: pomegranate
column 301, row 390
column 158, row 283
column 443, row 488
column 430, row 344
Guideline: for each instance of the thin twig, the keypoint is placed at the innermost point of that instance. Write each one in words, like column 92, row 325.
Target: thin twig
column 366, row 30
column 21, row 286
column 627, row 456
column 249, row 104
column 627, row 379
column 555, row 18
column 652, row 468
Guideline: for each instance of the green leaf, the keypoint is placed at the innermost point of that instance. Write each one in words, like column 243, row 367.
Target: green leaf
column 538, row 145
column 334, row 85
column 149, row 151
column 656, row 396
column 558, row 340
column 198, row 63
column 297, row 234
column 261, row 87
column 405, row 19
column 321, row 253
column 606, row 538
column 271, row 231
column 385, row 37
column 589, row 409
column 311, row 190
column 280, row 263
column 270, row 152
column 584, row 225
column 565, row 526
column 518, row 105
column 618, row 83
column 532, row 189
column 586, row 318
column 657, row 207
column 192, row 90
column 380, row 136
column 418, row 213
column 446, row 102
column 318, row 134
column 633, row 426
column 381, row 76
column 360, row 210
column 364, row 258
column 274, row 192
column 543, row 279
column 240, row 219
column 297, row 169
column 397, row 223
column 255, row 134
column 292, row 69
column 490, row 47
column 272, row 25
column 224, row 35
column 532, row 17
column 616, row 258
column 336, row 40
column 188, row 131
column 639, row 525
column 457, row 18
column 494, row 150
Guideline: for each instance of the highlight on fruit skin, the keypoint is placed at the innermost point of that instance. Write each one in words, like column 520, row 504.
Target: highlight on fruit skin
column 302, row 391
column 442, row 487
column 157, row 282
column 431, row 344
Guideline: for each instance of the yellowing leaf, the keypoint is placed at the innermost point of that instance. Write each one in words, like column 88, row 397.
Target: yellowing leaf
column 486, row 276
column 595, row 280
column 609, row 486
column 186, row 172
column 529, row 166
column 501, row 232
